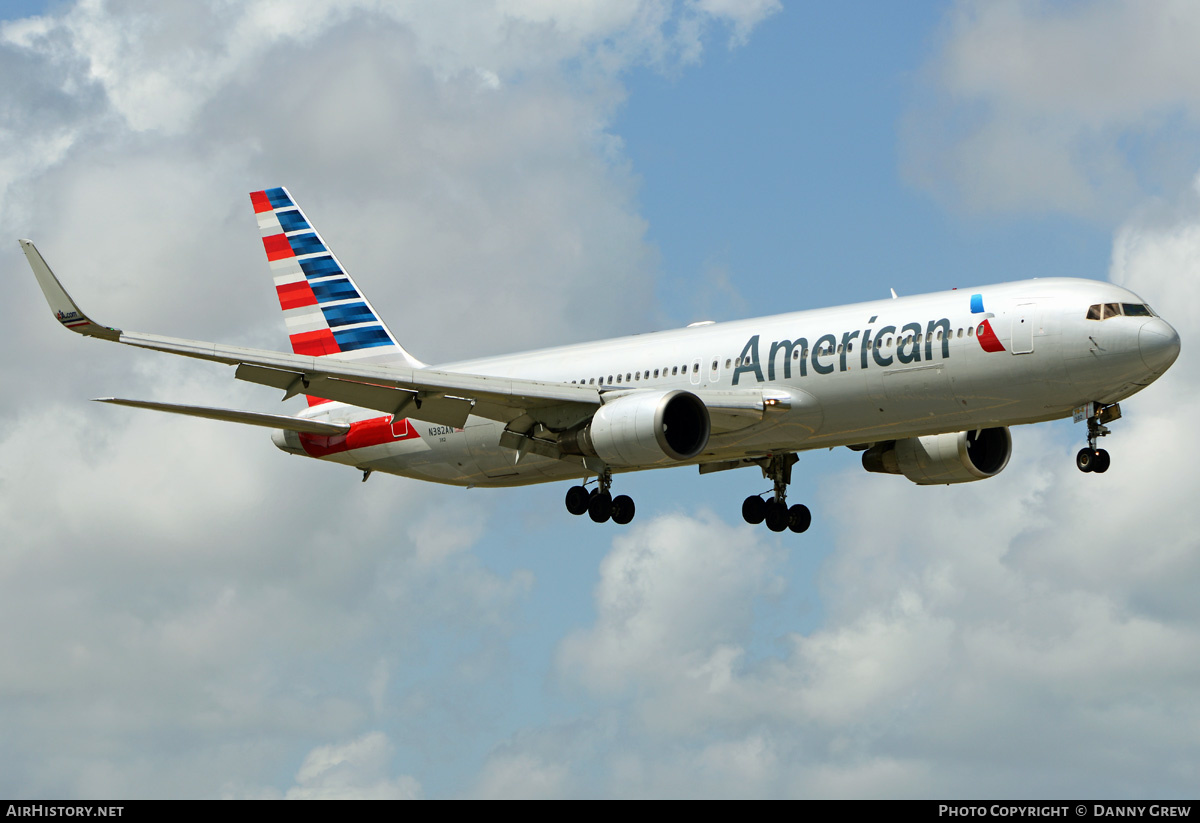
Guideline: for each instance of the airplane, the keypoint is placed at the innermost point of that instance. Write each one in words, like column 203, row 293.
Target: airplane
column 925, row 387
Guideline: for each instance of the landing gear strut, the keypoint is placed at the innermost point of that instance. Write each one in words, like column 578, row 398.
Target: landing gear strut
column 599, row 503
column 778, row 469
column 1093, row 459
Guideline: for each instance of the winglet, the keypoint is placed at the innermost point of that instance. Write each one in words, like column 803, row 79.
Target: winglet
column 61, row 304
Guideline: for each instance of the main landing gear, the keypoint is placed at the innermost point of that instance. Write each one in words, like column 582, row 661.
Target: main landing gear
column 776, row 513
column 599, row 503
column 1093, row 459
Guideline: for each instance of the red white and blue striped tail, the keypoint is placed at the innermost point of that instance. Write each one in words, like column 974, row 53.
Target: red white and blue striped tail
column 326, row 313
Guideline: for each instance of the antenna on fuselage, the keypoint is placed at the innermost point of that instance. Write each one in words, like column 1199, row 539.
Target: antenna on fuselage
column 894, row 295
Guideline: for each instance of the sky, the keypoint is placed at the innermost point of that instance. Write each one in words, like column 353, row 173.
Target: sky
column 190, row 613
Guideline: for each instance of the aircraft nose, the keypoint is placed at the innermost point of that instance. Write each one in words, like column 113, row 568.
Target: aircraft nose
column 1159, row 344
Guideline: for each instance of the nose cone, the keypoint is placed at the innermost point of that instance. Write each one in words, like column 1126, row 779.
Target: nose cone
column 1158, row 344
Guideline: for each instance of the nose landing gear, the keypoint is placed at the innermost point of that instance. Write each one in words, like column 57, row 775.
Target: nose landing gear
column 599, row 503
column 776, row 513
column 1093, row 459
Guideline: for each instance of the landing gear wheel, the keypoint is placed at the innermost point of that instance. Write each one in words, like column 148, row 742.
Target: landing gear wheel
column 754, row 509
column 799, row 518
column 622, row 509
column 777, row 516
column 577, row 499
column 600, row 507
column 1093, row 459
column 1086, row 460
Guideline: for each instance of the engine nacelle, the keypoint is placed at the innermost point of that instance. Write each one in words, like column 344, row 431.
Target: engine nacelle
column 643, row 429
column 957, row 457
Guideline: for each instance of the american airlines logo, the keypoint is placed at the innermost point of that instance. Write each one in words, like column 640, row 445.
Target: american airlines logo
column 913, row 344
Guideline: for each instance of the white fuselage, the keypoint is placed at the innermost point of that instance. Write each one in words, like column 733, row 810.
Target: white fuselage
column 850, row 375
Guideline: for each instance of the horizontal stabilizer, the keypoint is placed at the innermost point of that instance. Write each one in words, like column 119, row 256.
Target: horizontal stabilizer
column 270, row 421
column 61, row 304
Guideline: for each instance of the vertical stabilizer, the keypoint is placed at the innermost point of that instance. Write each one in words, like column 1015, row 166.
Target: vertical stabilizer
column 326, row 313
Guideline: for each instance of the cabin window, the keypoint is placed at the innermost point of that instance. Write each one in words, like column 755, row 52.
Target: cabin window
column 970, row 331
column 795, row 354
column 656, row 372
column 674, row 371
column 728, row 362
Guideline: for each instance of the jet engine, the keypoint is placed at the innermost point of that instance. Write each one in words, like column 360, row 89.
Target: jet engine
column 643, row 429
column 956, row 457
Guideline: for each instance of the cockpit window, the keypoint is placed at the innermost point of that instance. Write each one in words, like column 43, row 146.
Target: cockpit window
column 1103, row 311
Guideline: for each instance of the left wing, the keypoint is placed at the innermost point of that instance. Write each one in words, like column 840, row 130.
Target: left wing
column 436, row 396
column 441, row 397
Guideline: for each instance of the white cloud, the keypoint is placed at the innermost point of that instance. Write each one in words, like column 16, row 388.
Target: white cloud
column 1036, row 633
column 1033, row 106
column 356, row 770
column 522, row 775
column 189, row 608
column 744, row 15
column 670, row 593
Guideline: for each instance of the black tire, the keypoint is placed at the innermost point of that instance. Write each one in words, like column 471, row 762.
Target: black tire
column 1101, row 462
column 1085, row 460
column 777, row 516
column 577, row 499
column 622, row 509
column 754, row 509
column 600, row 507
column 799, row 518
